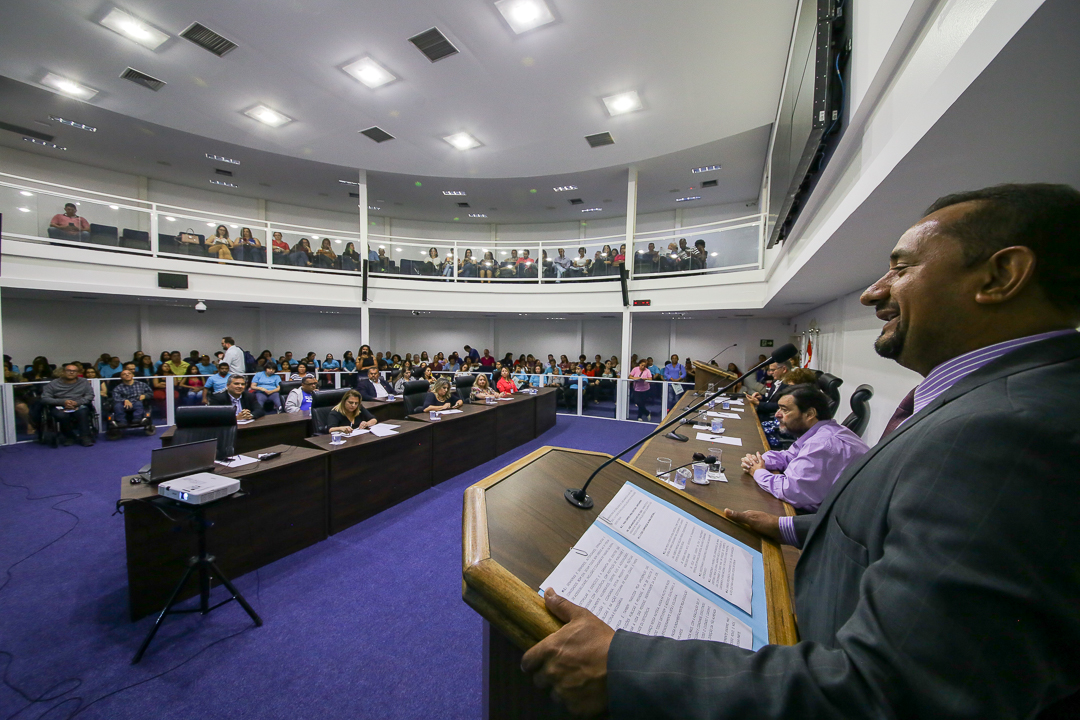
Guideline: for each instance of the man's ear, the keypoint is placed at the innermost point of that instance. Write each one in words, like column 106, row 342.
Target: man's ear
column 1008, row 272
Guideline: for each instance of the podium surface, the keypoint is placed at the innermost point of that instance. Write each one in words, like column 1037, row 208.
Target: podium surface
column 704, row 373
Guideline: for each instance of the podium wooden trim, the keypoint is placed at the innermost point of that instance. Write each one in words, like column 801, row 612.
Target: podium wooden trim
column 704, row 373
column 517, row 610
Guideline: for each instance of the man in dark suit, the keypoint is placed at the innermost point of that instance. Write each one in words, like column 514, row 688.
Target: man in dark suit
column 766, row 403
column 370, row 386
column 247, row 407
column 938, row 578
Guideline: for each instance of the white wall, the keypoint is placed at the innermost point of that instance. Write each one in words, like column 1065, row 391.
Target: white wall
column 701, row 339
column 63, row 330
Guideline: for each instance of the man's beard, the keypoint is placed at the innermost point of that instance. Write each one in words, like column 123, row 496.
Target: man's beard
column 890, row 347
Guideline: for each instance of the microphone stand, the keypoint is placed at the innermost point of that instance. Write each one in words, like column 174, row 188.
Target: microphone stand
column 578, row 496
column 722, row 352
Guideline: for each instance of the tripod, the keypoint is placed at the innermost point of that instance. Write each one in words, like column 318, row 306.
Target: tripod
column 206, row 566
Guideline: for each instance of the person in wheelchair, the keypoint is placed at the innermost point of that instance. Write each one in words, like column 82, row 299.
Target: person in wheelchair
column 129, row 405
column 69, row 401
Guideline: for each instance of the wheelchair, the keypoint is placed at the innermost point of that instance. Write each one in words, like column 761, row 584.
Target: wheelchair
column 117, row 425
column 49, row 427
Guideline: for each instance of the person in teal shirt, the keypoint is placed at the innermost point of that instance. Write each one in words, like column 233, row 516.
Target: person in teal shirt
column 520, row 377
column 205, row 367
column 267, row 386
column 330, row 364
column 218, row 382
column 348, row 361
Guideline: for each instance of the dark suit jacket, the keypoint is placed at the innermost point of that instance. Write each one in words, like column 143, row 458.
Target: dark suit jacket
column 939, row 578
column 770, row 401
column 367, row 388
column 247, row 401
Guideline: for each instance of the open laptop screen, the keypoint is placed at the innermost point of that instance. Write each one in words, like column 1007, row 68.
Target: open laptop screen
column 176, row 461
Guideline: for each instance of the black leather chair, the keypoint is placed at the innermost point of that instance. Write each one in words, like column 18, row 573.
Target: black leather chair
column 413, row 394
column 830, row 385
column 207, row 422
column 463, row 385
column 104, row 235
column 321, row 405
column 287, row 387
column 859, row 418
column 135, row 239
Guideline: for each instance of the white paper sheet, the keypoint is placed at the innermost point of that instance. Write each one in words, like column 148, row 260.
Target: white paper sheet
column 448, row 412
column 382, row 431
column 237, row 461
column 389, row 426
column 628, row 591
column 736, row 401
column 245, row 422
column 701, row 554
column 732, row 416
column 709, row 437
column 358, row 431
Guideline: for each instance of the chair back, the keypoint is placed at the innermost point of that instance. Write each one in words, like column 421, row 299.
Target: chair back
column 463, row 385
column 830, row 385
column 413, row 394
column 287, row 387
column 859, row 418
column 327, row 398
column 207, row 422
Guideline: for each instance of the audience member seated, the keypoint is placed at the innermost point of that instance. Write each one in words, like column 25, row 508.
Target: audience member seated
column 300, row 255
column 267, row 386
column 508, row 267
column 373, row 387
column 349, row 414
column 803, row 474
column 204, row 366
column 506, row 384
column 68, row 399
column 302, row 371
column 216, row 383
column 325, row 257
column 299, row 400
column 69, row 226
column 220, row 245
column 245, row 404
column 190, row 386
column 403, row 376
column 699, row 258
column 526, row 266
column 486, row 268
column 481, row 389
column 280, row 249
column 440, row 397
column 111, row 369
column 350, row 259
column 561, row 264
column 248, row 248
column 766, row 403
column 160, row 385
column 130, row 404
column 467, row 268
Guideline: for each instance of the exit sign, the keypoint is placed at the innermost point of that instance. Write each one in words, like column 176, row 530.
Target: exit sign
column 766, row 343
column 642, row 303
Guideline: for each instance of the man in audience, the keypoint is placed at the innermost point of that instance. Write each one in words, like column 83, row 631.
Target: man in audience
column 205, row 367
column 487, row 361
column 177, row 364
column 69, row 226
column 244, row 403
column 113, row 368
column 804, row 473
column 130, row 403
column 299, row 399
column 290, row 364
column 217, row 382
column 267, row 386
column 373, row 387
column 561, row 264
column 234, row 355
column 932, row 582
column 68, row 398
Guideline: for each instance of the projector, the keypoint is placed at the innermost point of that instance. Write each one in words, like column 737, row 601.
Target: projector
column 199, row 489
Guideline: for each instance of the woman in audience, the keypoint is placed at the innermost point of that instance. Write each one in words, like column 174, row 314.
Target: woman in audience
column 603, row 266
column 301, row 372
column 365, row 360
column 640, row 389
column 249, row 247
column 520, row 376
column 467, row 268
column 428, row 375
column 280, row 249
column 481, row 389
column 607, row 382
column 330, row 364
column 453, row 364
column 395, row 363
column 145, row 368
column 620, row 259
column 266, row 384
column 733, row 368
column 349, row 414
column 220, row 245
column 581, row 263
column 404, row 375
column 432, row 263
column 91, row 373
column 350, row 259
column 564, row 364
column 506, row 383
column 300, row 255
column 536, row 379
column 162, row 359
column 438, row 363
column 486, row 269
column 190, row 386
column 424, row 357
column 440, row 398
column 159, row 385
column 325, row 257
column 446, row 267
column 508, row 268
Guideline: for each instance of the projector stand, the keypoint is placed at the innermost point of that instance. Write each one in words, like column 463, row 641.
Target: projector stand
column 207, row 568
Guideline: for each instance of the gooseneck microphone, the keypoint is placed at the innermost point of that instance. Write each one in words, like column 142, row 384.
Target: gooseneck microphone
column 724, row 351
column 578, row 497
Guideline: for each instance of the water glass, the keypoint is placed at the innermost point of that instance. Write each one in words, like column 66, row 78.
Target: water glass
column 716, row 470
column 701, row 472
column 726, row 405
column 681, row 476
column 337, row 439
column 434, row 416
column 718, row 425
column 663, row 468
column 711, row 389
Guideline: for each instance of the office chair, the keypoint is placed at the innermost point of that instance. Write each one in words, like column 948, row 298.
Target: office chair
column 206, row 422
column 413, row 394
column 859, row 418
column 830, row 385
column 321, row 405
column 463, row 386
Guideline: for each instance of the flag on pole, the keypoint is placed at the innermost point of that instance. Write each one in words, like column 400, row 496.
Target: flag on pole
column 809, row 352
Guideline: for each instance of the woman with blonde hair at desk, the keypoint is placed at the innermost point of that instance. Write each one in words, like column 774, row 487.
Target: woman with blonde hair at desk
column 441, row 398
column 350, row 414
column 481, row 389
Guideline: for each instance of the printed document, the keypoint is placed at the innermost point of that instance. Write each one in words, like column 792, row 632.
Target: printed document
column 732, row 416
column 237, row 461
column 723, row 439
column 381, row 430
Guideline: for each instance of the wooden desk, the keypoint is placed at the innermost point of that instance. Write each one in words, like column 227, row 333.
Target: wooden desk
column 515, row 422
column 461, row 441
column 370, row 473
column 385, row 410
column 280, row 429
column 282, row 510
column 545, row 409
column 705, row 373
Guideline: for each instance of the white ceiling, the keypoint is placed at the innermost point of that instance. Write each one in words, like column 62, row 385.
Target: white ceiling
column 705, row 70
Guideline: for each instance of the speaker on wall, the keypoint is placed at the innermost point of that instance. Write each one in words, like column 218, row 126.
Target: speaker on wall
column 175, row 281
column 623, row 273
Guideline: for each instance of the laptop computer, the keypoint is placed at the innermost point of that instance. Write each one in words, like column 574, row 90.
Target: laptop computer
column 173, row 461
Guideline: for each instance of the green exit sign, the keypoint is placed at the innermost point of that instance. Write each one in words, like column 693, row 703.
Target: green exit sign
column 766, row 343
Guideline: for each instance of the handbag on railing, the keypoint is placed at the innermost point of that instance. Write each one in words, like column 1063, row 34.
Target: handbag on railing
column 188, row 237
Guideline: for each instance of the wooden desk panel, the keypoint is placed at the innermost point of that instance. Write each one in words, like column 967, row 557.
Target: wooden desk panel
column 461, row 441
column 545, row 410
column 279, row 429
column 516, row 423
column 369, row 474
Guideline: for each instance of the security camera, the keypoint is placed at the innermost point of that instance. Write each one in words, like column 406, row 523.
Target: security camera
column 415, row 312
column 200, row 307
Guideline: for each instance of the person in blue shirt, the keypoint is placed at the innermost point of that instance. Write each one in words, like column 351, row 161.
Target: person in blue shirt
column 537, row 378
column 330, row 364
column 112, row 368
column 348, row 361
column 267, row 386
column 654, row 368
column 300, row 398
column 520, row 377
column 205, row 367
column 218, row 382
column 674, row 372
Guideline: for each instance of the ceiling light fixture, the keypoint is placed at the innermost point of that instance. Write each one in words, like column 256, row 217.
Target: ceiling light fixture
column 170, row 218
column 453, row 192
column 622, row 103
column 564, row 188
column 349, row 182
column 114, row 207
column 372, row 207
column 54, row 146
column 707, row 168
column 72, row 123
column 22, row 209
column 525, row 15
column 477, row 215
column 26, row 193
column 68, row 87
column 369, row 72
column 219, row 158
column 684, row 199
column 221, row 182
column 463, row 141
column 134, row 29
column 592, row 209
column 268, row 116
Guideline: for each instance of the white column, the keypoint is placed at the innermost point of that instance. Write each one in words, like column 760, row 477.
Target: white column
column 7, row 411
column 622, row 396
column 362, row 208
column 631, row 215
column 365, row 324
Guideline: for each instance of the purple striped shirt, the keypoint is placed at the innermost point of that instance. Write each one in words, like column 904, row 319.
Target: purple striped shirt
column 940, row 379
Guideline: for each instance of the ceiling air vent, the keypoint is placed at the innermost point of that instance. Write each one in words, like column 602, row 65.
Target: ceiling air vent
column 377, row 134
column 576, row 201
column 207, row 39
column 433, row 44
column 24, row 131
column 709, row 183
column 226, row 173
column 463, row 205
column 141, row 78
column 354, row 195
column 600, row 139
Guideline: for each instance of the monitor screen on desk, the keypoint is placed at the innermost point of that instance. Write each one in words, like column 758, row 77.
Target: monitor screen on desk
column 176, row 461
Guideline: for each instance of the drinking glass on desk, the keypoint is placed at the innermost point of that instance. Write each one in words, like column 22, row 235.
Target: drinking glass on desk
column 434, row 416
column 716, row 470
column 663, row 468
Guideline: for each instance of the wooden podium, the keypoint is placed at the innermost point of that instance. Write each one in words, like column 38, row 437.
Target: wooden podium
column 705, row 373
column 517, row 526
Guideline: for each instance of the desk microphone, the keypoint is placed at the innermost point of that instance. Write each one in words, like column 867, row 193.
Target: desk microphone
column 578, row 497
column 723, row 351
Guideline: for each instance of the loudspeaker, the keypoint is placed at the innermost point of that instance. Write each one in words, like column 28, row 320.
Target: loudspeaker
column 176, row 281
column 622, row 281
column 364, row 272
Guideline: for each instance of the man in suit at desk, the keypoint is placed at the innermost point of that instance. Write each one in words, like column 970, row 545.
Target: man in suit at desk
column 373, row 387
column 245, row 404
column 938, row 577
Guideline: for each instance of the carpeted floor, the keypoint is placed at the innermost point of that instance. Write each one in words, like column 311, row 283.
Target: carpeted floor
column 367, row 624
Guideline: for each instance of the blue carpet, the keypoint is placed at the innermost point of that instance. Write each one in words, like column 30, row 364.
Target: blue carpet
column 367, row 624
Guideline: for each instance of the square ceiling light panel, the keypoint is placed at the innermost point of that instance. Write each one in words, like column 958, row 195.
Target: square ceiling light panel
column 68, row 87
column 463, row 141
column 268, row 116
column 134, row 29
column 369, row 72
column 525, row 15
column 622, row 103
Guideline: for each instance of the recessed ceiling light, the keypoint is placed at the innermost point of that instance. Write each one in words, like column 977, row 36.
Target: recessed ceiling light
column 219, row 158
column 453, row 192
column 54, row 146
column 170, row 218
column 592, row 209
column 348, row 182
column 268, row 116
column 134, row 29
column 372, row 207
column 477, row 215
column 209, row 224
column 684, row 199
column 623, row 103
column 707, row 168
column 114, row 207
column 524, row 15
column 26, row 193
column 222, row 182
column 68, row 87
column 22, row 209
column 369, row 72
column 72, row 123
column 463, row 141
column 564, row 188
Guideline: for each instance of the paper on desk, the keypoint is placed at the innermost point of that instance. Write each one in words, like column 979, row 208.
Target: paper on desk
column 706, row 428
column 630, row 592
column 700, row 553
column 709, row 437
column 382, row 431
column 733, row 416
column 736, row 401
column 509, row 398
column 388, row 426
column 245, row 422
column 448, row 412
column 237, row 461
column 358, row 431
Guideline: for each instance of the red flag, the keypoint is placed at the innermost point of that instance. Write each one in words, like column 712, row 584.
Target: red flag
column 809, row 352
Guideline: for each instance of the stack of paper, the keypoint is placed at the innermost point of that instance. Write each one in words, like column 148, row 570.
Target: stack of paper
column 709, row 437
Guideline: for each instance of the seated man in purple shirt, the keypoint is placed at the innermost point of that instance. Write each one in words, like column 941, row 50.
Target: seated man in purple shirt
column 806, row 471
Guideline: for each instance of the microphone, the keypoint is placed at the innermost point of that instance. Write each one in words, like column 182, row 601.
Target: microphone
column 578, row 497
column 698, row 457
column 722, row 351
